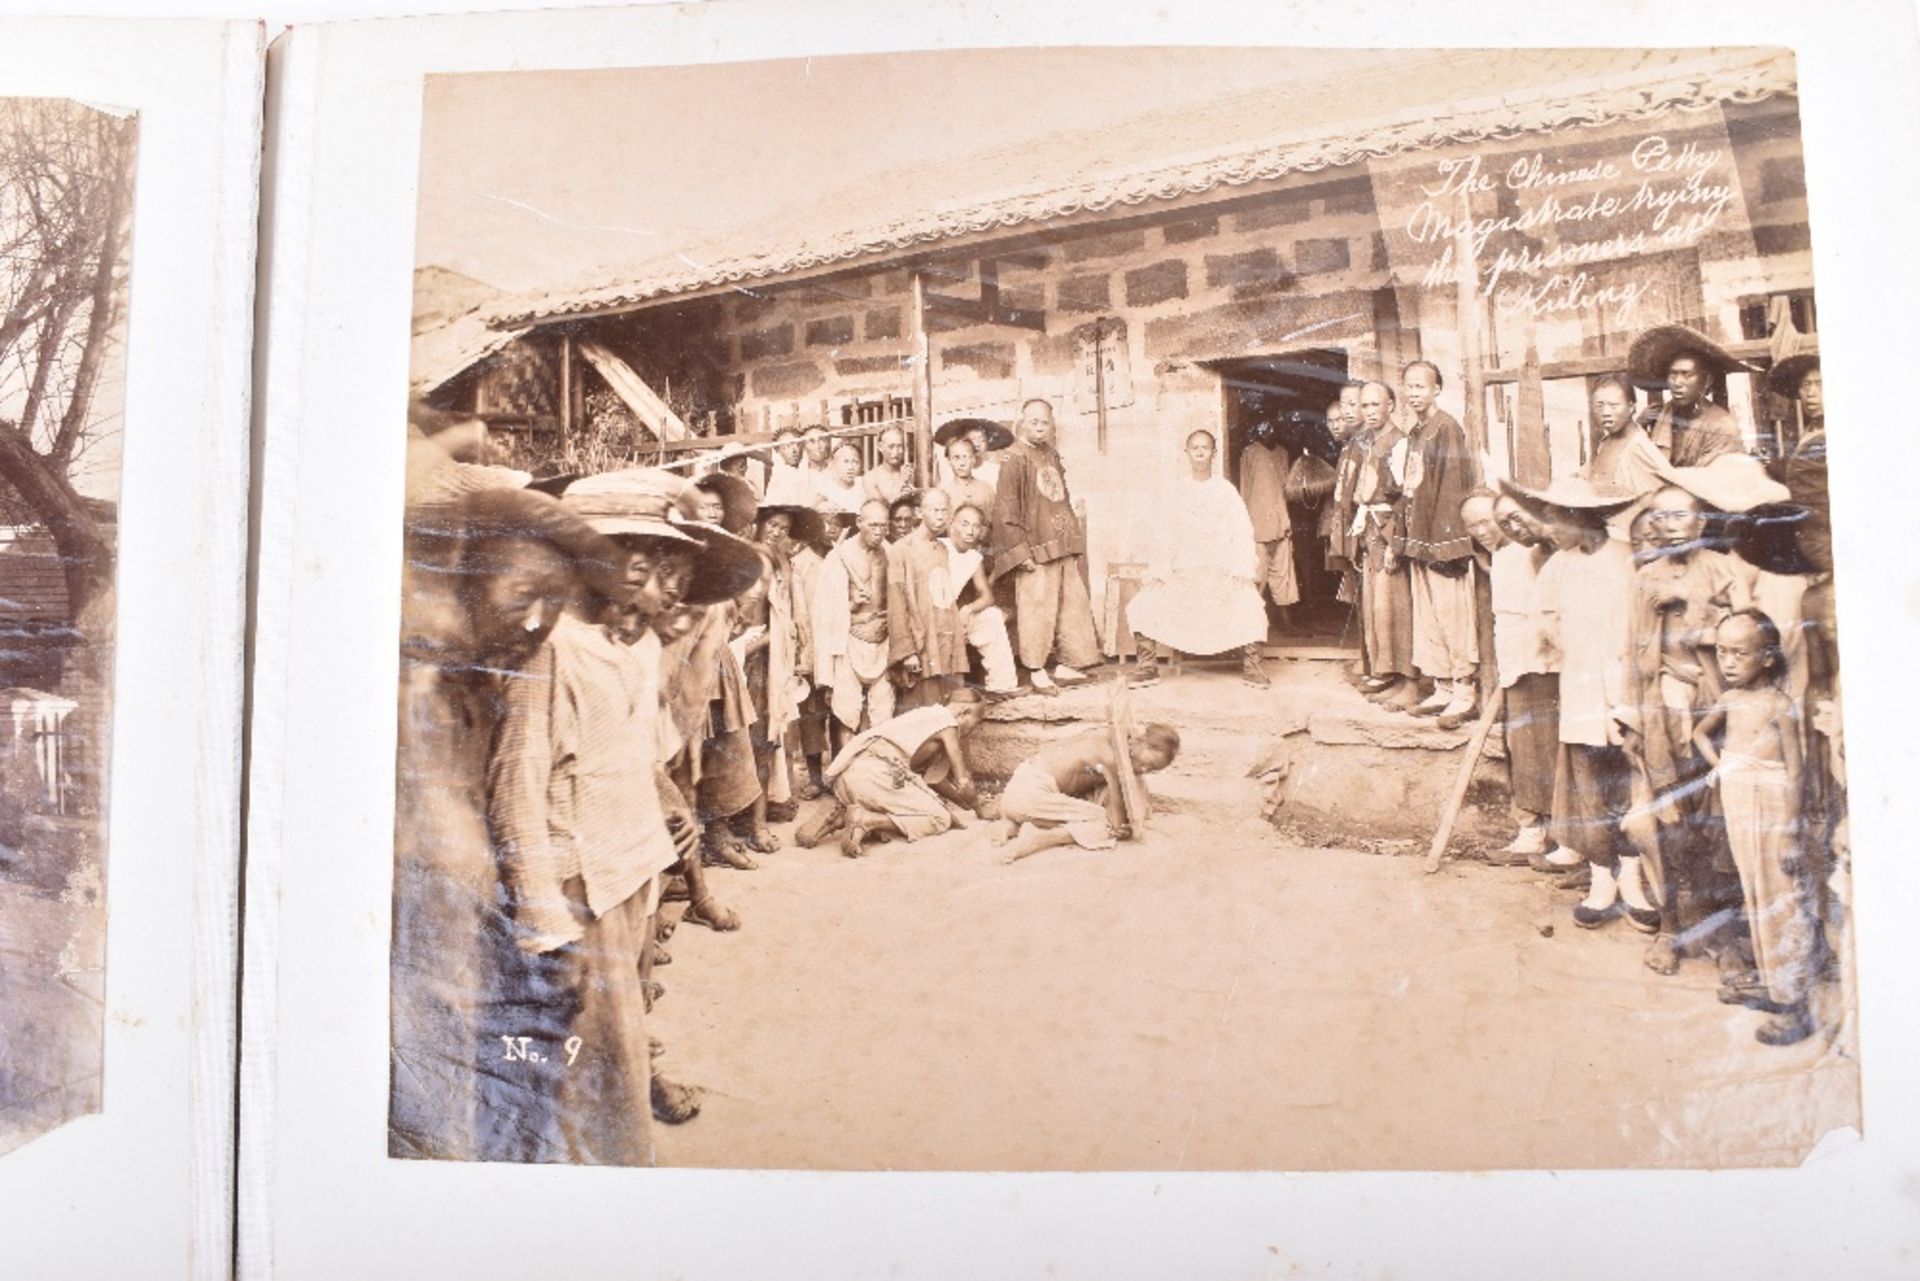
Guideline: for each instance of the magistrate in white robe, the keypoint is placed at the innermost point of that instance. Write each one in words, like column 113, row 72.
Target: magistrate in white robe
column 1200, row 596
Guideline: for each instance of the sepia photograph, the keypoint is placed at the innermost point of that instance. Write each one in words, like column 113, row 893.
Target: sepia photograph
column 66, row 205
column 1071, row 609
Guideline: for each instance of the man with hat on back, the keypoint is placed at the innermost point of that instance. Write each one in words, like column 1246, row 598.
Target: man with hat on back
column 727, row 787
column 1689, row 429
column 1583, row 586
column 962, row 441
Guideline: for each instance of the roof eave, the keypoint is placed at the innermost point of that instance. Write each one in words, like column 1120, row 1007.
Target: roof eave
column 1717, row 78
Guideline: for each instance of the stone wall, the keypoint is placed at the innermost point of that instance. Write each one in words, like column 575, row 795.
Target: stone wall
column 1294, row 268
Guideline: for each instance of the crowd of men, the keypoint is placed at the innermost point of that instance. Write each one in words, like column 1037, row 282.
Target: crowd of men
column 1659, row 632
column 614, row 683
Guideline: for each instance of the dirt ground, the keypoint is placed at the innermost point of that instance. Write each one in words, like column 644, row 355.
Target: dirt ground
column 1209, row 998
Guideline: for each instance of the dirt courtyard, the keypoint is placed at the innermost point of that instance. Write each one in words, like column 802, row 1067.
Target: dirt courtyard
column 1207, row 999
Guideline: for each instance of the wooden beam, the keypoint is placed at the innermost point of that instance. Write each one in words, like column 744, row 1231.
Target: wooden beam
column 986, row 311
column 1032, row 261
column 1588, row 366
column 763, row 439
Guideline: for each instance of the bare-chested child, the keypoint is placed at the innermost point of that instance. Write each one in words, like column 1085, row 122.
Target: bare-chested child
column 1048, row 801
column 1757, row 769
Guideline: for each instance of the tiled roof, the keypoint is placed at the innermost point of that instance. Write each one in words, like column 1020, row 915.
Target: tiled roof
column 1412, row 101
column 450, row 328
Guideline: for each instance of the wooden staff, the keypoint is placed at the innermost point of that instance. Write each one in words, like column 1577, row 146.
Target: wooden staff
column 1438, row 850
column 1134, row 799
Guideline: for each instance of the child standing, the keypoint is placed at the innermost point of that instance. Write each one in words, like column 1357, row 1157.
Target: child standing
column 1585, row 585
column 1757, row 768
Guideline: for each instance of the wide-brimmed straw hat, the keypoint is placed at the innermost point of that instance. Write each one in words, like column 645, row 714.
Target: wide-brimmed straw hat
column 1653, row 353
column 1785, row 377
column 999, row 435
column 806, row 524
column 1570, row 493
column 1731, row 482
column 738, row 502
column 521, row 514
column 435, row 477
column 644, row 502
column 634, row 501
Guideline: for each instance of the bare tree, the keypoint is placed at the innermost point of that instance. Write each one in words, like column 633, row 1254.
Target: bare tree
column 66, row 201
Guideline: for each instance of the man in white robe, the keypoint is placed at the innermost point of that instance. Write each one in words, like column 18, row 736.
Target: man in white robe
column 1200, row 596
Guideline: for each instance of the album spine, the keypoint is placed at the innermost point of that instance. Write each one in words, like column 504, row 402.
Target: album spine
column 290, row 70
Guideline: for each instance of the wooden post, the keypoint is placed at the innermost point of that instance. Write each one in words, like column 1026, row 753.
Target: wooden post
column 1100, row 382
column 566, row 387
column 1472, row 358
column 922, row 387
column 1533, row 452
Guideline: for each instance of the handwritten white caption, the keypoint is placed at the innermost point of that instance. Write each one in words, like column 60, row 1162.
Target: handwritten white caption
column 1678, row 195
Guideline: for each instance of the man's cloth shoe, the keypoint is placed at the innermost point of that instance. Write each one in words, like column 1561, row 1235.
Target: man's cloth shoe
column 1592, row 918
column 1069, row 676
column 1531, row 839
column 1644, row 919
column 1552, row 866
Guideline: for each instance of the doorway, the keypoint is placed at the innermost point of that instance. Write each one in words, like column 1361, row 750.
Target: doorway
column 1290, row 391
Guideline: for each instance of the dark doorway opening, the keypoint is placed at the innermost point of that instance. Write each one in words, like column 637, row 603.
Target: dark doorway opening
column 1290, row 391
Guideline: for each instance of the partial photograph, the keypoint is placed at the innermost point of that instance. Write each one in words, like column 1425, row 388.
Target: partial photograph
column 1120, row 609
column 66, row 206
